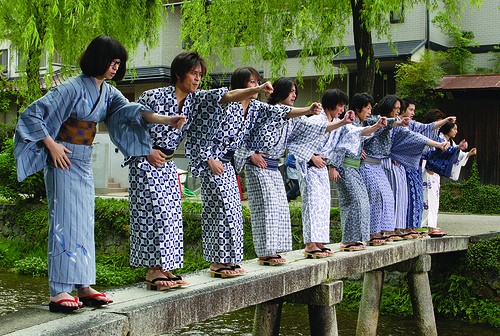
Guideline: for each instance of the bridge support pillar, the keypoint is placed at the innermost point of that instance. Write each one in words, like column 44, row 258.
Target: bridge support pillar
column 420, row 293
column 321, row 301
column 267, row 318
column 370, row 303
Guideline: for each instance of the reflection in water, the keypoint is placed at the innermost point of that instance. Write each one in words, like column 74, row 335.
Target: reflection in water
column 19, row 291
column 294, row 322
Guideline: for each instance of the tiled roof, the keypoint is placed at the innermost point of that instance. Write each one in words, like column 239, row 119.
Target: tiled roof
column 470, row 82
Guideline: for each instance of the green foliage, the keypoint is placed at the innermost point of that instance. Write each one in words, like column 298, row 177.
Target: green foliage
column 112, row 223
column 9, row 253
column 63, row 29
column 418, row 80
column 470, row 196
column 34, row 266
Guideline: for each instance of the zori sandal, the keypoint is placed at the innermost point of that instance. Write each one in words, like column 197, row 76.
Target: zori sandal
column 271, row 261
column 91, row 301
column 218, row 273
column 352, row 247
column 316, row 254
column 56, row 307
column 152, row 284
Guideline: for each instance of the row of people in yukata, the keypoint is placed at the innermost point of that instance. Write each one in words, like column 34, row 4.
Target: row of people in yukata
column 55, row 133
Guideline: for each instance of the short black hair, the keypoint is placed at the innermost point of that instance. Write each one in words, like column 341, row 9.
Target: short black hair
column 408, row 101
column 281, row 89
column 332, row 97
column 434, row 115
column 446, row 128
column 184, row 62
column 360, row 100
column 242, row 75
column 99, row 54
column 386, row 104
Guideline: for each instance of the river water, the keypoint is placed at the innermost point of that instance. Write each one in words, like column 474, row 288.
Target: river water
column 17, row 292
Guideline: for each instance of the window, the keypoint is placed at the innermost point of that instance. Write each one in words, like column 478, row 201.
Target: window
column 398, row 16
column 4, row 60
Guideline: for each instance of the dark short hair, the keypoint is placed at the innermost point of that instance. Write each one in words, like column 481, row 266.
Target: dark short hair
column 360, row 100
column 281, row 89
column 446, row 128
column 332, row 97
column 99, row 54
column 434, row 115
column 408, row 101
column 184, row 62
column 386, row 104
column 242, row 75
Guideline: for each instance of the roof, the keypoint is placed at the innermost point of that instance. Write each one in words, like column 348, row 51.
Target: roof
column 384, row 51
column 470, row 82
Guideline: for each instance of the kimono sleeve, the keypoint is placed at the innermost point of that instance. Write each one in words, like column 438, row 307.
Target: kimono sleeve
column 306, row 137
column 127, row 127
column 42, row 118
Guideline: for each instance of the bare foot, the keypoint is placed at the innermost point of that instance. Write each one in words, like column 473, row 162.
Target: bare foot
column 156, row 273
column 87, row 292
column 66, row 296
column 177, row 279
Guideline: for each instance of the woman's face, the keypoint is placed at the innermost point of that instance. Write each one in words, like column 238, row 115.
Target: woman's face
column 191, row 80
column 111, row 70
column 365, row 112
column 290, row 100
column 453, row 132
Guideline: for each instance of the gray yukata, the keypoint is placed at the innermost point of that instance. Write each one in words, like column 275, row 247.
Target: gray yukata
column 70, row 192
column 270, row 215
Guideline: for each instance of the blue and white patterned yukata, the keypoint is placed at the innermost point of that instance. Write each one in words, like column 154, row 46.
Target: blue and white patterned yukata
column 70, row 192
column 156, row 232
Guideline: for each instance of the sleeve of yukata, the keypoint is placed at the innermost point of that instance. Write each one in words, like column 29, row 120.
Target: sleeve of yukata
column 127, row 127
column 425, row 129
column 306, row 137
column 442, row 162
column 407, row 146
column 240, row 157
column 461, row 161
column 42, row 118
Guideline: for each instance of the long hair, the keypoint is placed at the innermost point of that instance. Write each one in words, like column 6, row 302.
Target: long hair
column 282, row 88
column 387, row 104
column 99, row 54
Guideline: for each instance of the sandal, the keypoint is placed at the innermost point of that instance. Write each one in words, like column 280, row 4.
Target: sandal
column 436, row 233
column 151, row 284
column 271, row 261
column 351, row 247
column 56, row 307
column 91, row 301
column 410, row 235
column 316, row 254
column 238, row 269
column 376, row 241
column 218, row 273
column 327, row 250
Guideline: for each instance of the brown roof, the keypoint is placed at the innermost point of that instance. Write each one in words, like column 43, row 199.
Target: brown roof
column 470, row 82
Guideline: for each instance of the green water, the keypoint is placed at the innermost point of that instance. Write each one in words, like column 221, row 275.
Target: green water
column 18, row 292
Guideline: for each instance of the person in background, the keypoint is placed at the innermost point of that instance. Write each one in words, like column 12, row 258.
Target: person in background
column 293, row 178
column 55, row 133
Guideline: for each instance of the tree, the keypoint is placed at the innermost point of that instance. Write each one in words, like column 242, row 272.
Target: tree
column 61, row 29
column 265, row 29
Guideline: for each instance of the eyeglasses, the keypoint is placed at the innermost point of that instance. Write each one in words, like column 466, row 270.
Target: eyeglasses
column 114, row 64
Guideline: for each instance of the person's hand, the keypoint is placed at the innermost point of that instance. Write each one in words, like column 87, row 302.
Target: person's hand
column 157, row 158
column 451, row 119
column 266, row 88
column 315, row 108
column 334, row 174
column 318, row 161
column 405, row 121
column 349, row 117
column 382, row 122
column 58, row 154
column 363, row 154
column 429, row 172
column 176, row 121
column 472, row 152
column 397, row 164
column 258, row 160
column 463, row 145
column 444, row 145
column 216, row 166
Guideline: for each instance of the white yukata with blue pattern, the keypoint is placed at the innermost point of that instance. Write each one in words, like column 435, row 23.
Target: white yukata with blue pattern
column 270, row 134
column 156, row 229
column 217, row 135
column 70, row 192
column 315, row 189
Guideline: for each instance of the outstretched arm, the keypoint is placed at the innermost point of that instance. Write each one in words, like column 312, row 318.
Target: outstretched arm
column 314, row 109
column 441, row 122
column 348, row 119
column 382, row 122
column 176, row 121
column 237, row 95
